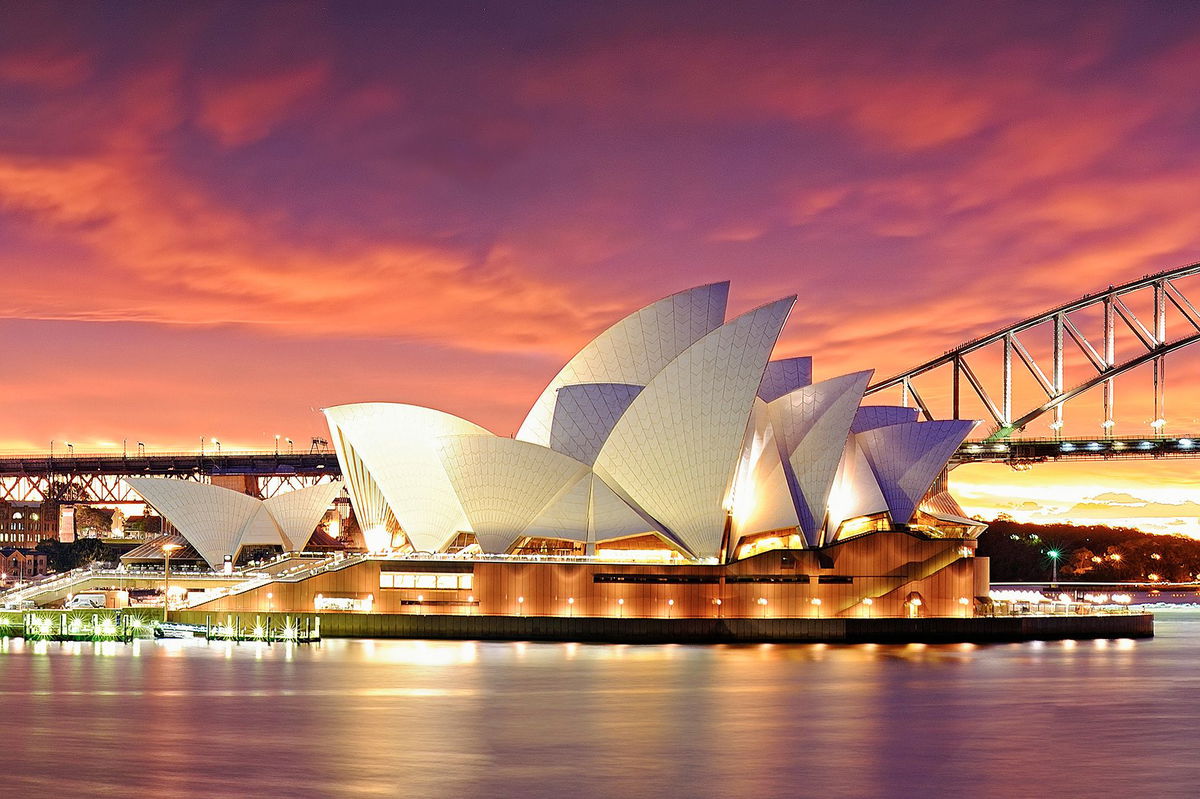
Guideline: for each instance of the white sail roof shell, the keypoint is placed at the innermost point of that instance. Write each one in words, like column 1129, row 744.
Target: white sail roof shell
column 298, row 512
column 633, row 350
column 855, row 491
column 213, row 519
column 612, row 517
column 398, row 445
column 370, row 506
column 761, row 500
column 565, row 517
column 674, row 452
column 907, row 458
column 584, row 415
column 505, row 484
column 811, row 425
column 261, row 530
column 871, row 416
column 219, row 521
column 785, row 376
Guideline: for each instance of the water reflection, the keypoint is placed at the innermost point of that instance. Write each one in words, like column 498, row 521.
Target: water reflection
column 446, row 718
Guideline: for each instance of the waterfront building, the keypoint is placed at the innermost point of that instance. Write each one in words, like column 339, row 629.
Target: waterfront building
column 670, row 468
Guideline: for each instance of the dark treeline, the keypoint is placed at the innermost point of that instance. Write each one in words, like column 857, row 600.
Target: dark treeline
column 63, row 556
column 1020, row 552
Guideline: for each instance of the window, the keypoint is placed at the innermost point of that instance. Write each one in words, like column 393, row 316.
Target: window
column 431, row 581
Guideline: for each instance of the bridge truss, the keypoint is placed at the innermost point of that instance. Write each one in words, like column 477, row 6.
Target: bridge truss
column 1110, row 313
column 100, row 478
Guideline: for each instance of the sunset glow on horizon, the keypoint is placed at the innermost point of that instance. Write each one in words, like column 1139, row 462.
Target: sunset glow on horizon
column 217, row 219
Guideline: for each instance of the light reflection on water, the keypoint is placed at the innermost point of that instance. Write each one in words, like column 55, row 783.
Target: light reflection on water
column 448, row 718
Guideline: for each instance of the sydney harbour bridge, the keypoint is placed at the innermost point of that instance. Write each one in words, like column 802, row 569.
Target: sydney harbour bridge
column 1022, row 380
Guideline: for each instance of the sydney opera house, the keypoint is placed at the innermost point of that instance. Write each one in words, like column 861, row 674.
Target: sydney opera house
column 671, row 468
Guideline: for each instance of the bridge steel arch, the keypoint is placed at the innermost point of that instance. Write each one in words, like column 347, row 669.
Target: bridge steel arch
column 1155, row 346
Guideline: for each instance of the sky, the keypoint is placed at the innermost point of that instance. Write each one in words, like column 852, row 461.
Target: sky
column 218, row 218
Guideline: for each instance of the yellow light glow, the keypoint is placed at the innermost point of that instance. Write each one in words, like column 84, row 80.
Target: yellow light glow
column 377, row 538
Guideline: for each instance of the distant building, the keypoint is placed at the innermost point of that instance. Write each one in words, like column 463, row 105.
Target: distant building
column 21, row 564
column 25, row 524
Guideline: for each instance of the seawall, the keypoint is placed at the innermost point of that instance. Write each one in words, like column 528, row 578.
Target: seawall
column 703, row 631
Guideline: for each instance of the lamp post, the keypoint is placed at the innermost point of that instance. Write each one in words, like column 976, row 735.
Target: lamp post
column 167, row 550
column 1054, row 555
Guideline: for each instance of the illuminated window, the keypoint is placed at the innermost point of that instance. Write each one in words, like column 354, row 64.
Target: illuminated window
column 426, row 581
column 860, row 525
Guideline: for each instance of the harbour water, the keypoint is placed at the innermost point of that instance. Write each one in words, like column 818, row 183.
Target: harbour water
column 361, row 718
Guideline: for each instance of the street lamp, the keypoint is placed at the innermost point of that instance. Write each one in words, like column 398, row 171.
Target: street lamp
column 289, row 443
column 276, row 443
column 1054, row 555
column 217, row 444
column 167, row 549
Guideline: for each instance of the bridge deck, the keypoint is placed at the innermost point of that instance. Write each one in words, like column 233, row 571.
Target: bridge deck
column 170, row 464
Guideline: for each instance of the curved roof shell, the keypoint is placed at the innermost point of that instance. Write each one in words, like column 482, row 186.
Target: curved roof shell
column 673, row 453
column 785, row 376
column 298, row 512
column 213, row 519
column 810, row 426
column 585, row 414
column 907, row 458
column 219, row 521
column 397, row 449
column 633, row 350
column 871, row 416
column 504, row 484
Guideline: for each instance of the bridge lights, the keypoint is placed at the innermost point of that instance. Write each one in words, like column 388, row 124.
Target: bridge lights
column 1158, row 423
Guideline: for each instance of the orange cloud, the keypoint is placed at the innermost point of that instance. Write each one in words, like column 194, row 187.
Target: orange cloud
column 243, row 111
